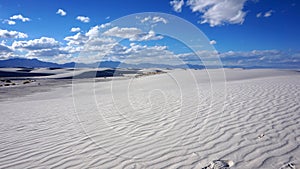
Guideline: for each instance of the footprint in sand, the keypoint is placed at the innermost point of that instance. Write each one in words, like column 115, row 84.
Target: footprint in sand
column 220, row 164
column 288, row 166
column 261, row 136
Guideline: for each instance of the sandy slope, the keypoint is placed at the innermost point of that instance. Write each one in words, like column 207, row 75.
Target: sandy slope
column 164, row 121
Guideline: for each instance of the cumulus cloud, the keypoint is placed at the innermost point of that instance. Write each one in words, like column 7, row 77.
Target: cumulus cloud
column 219, row 12
column 212, row 42
column 9, row 22
column 90, row 41
column 105, row 25
column 154, row 19
column 12, row 34
column 149, row 54
column 19, row 17
column 61, row 12
column 94, row 45
column 41, row 48
column 46, row 53
column 268, row 13
column 198, row 57
column 77, row 29
column 94, row 31
column 36, row 44
column 96, row 49
column 78, row 39
column 177, row 5
column 83, row 19
column 133, row 54
column 133, row 34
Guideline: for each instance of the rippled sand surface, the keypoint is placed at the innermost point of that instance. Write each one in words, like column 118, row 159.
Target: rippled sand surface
column 179, row 119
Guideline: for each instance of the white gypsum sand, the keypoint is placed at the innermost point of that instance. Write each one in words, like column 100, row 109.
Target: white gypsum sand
column 167, row 120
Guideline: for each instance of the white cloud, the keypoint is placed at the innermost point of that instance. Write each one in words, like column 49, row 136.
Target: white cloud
column 157, row 19
column 146, row 19
column 84, row 19
column 196, row 58
column 134, row 54
column 93, row 46
column 12, row 34
column 133, row 34
column 41, row 48
column 266, row 15
column 258, row 15
column 96, row 49
column 78, row 39
column 219, row 12
column 146, row 36
column 19, row 17
column 77, row 29
column 93, row 32
column 108, row 17
column 36, row 44
column 90, row 38
column 253, row 53
column 212, row 42
column 81, row 39
column 177, row 5
column 154, row 19
column 61, row 12
column 105, row 25
column 269, row 13
column 43, row 53
column 122, row 32
column 9, row 22
column 149, row 54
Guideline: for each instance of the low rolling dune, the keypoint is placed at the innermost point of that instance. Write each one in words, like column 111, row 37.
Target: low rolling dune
column 178, row 119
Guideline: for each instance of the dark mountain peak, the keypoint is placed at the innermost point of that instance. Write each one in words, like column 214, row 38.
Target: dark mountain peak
column 27, row 63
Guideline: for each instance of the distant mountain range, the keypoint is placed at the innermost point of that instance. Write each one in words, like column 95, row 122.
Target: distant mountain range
column 35, row 63
column 31, row 63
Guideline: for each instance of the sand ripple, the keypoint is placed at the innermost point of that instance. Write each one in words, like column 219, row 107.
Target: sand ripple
column 168, row 124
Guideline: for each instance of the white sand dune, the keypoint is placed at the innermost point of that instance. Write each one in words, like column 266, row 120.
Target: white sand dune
column 180, row 119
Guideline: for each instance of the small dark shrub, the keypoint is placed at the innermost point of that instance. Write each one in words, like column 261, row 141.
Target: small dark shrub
column 25, row 82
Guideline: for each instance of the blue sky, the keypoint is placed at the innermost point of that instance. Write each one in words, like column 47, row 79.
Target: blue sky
column 245, row 32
